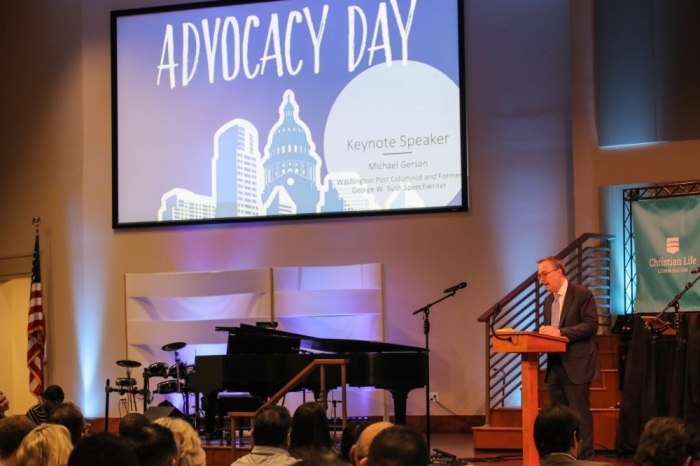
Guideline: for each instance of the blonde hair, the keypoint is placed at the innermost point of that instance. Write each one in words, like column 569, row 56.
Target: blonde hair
column 45, row 445
column 189, row 445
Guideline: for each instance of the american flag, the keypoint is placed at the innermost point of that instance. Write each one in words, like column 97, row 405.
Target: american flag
column 36, row 327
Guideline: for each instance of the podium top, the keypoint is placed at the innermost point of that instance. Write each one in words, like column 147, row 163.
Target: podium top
column 513, row 341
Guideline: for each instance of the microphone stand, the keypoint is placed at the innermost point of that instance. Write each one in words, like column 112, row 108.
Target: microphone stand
column 425, row 310
column 657, row 326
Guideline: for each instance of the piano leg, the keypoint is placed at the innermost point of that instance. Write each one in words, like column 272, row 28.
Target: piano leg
column 210, row 408
column 400, row 396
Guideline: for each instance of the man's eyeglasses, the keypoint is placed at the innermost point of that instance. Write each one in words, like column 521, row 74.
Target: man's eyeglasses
column 542, row 275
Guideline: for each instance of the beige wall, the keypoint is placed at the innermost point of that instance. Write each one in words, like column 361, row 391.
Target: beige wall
column 534, row 164
column 14, row 299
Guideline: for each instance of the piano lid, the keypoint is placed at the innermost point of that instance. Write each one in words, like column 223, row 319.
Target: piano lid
column 250, row 339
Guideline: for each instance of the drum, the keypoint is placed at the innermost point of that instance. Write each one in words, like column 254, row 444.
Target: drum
column 172, row 372
column 157, row 369
column 167, row 386
column 125, row 382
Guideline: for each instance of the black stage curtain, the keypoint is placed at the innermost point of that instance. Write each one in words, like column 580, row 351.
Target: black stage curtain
column 662, row 377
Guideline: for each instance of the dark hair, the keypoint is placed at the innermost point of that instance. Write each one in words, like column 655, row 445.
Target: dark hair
column 351, row 433
column 310, row 427
column 399, row 445
column 554, row 430
column 12, row 431
column 131, row 422
column 53, row 393
column 105, row 449
column 666, row 441
column 271, row 425
column 154, row 445
column 68, row 415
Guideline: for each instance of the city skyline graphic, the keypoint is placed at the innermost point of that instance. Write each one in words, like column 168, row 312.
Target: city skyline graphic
column 283, row 179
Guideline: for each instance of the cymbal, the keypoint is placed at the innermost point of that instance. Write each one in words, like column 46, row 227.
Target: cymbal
column 128, row 363
column 174, row 346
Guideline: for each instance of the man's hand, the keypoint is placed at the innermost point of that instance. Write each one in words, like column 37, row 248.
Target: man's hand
column 549, row 330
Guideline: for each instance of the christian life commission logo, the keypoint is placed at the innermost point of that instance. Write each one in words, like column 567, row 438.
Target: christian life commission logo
column 673, row 264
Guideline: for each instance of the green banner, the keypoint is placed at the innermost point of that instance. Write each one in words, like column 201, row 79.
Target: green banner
column 667, row 247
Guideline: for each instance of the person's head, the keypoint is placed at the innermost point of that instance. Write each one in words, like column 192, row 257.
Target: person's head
column 51, row 397
column 310, row 427
column 551, row 272
column 271, row 427
column 45, row 445
column 189, row 445
column 360, row 450
column 667, row 441
column 398, row 445
column 132, row 422
column 69, row 415
column 154, row 445
column 4, row 404
column 351, row 433
column 12, row 432
column 556, row 430
column 103, row 449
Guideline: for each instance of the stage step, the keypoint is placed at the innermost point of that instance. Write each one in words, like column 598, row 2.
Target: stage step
column 507, row 435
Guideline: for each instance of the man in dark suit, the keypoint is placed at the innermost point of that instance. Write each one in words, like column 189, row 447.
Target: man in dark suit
column 570, row 311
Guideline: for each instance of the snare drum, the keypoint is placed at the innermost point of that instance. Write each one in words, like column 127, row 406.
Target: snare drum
column 125, row 382
column 167, row 386
column 157, row 369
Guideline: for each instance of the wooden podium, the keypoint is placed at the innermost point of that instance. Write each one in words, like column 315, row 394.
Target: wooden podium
column 529, row 345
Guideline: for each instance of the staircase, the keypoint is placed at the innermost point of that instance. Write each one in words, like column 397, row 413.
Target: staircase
column 587, row 261
column 504, row 431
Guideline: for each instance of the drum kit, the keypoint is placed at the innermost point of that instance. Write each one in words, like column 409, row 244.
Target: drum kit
column 179, row 372
column 178, row 382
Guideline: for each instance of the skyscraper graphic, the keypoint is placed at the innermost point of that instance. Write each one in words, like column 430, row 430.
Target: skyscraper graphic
column 291, row 166
column 236, row 184
column 181, row 204
column 344, row 192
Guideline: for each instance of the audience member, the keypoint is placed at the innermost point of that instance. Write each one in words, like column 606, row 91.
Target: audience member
column 557, row 437
column 323, row 459
column 103, row 449
column 351, row 433
column 399, row 445
column 154, row 445
column 189, row 445
column 49, row 398
column 270, row 433
column 45, row 445
column 131, row 423
column 12, row 432
column 4, row 404
column 69, row 415
column 667, row 441
column 310, row 433
column 360, row 450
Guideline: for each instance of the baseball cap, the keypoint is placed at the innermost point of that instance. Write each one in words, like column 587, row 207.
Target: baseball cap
column 53, row 393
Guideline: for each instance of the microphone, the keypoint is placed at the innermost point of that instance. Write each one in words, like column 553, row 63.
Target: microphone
column 695, row 270
column 452, row 289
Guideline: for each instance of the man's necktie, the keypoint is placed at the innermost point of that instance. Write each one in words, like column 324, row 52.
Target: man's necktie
column 556, row 311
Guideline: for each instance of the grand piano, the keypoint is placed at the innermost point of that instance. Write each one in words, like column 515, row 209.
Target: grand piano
column 261, row 360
